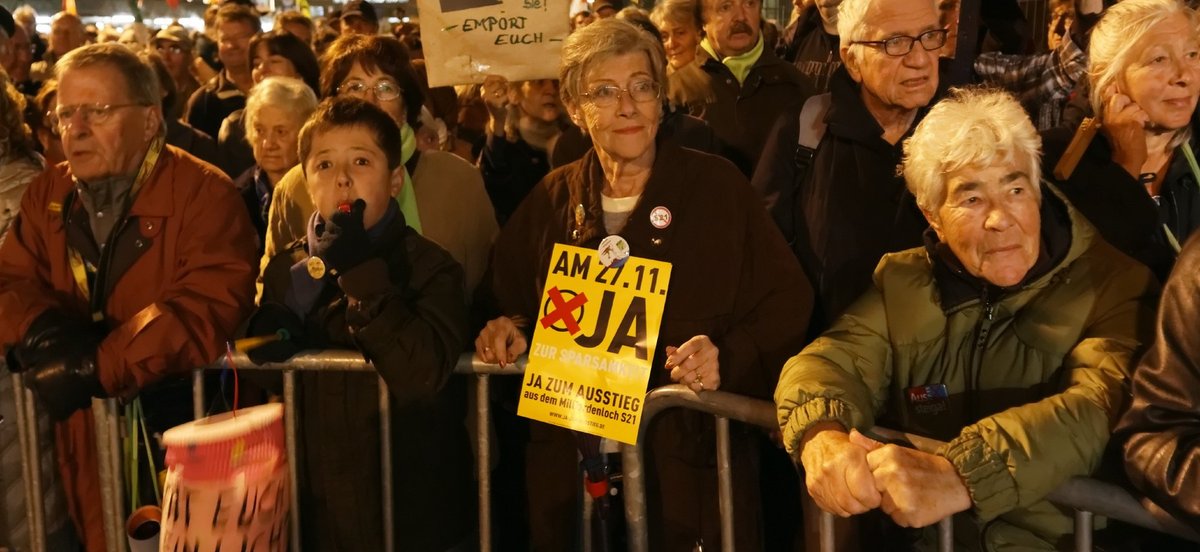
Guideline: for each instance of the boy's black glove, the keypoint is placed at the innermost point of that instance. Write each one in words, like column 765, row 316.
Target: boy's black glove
column 342, row 241
column 58, row 354
column 275, row 319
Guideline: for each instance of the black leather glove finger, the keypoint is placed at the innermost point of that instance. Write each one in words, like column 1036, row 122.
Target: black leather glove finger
column 59, row 353
column 271, row 319
column 343, row 243
column 65, row 386
column 48, row 334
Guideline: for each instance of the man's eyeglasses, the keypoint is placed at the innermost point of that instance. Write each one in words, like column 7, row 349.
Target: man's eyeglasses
column 93, row 114
column 385, row 91
column 898, row 46
column 172, row 48
column 607, row 95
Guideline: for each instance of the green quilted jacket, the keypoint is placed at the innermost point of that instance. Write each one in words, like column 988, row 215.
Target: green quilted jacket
column 1034, row 376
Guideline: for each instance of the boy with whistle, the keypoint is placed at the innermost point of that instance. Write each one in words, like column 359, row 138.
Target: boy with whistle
column 362, row 279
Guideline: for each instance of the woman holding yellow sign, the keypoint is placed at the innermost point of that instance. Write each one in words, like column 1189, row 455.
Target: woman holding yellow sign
column 737, row 306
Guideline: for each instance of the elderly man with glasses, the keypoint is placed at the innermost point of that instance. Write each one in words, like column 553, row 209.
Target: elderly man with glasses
column 837, row 196
column 127, row 266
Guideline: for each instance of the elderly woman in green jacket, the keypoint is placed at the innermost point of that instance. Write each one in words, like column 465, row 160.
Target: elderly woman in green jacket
column 1010, row 335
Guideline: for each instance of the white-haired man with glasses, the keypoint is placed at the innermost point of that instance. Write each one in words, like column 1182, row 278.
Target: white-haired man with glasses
column 127, row 266
column 837, row 196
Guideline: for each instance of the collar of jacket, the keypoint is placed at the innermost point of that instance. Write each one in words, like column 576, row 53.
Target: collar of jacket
column 740, row 64
column 225, row 88
column 1062, row 241
column 662, row 189
column 849, row 118
column 768, row 67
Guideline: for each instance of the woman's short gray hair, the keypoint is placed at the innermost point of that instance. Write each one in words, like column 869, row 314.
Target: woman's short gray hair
column 140, row 81
column 291, row 95
column 675, row 12
column 599, row 42
column 971, row 127
column 1124, row 25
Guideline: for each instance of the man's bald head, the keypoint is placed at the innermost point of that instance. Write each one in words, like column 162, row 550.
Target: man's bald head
column 66, row 33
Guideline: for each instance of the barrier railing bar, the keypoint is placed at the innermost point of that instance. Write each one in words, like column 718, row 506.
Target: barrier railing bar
column 725, row 483
column 1083, row 531
column 826, row 529
column 946, row 535
column 717, row 403
column 31, row 462
column 483, row 474
column 108, row 455
column 37, row 522
column 385, row 462
column 290, row 435
column 198, row 403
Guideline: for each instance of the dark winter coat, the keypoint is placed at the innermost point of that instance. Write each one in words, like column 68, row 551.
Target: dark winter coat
column 742, row 114
column 732, row 280
column 849, row 209
column 1120, row 208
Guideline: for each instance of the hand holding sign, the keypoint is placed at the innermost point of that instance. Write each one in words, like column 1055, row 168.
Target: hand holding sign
column 500, row 342
column 695, row 364
column 498, row 99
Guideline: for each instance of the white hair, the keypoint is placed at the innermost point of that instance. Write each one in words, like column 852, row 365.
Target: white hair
column 971, row 127
column 287, row 93
column 852, row 20
column 1123, row 26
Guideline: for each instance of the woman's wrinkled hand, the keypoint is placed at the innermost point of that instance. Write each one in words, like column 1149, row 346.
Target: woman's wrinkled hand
column 496, row 97
column 1124, row 123
column 695, row 364
column 500, row 342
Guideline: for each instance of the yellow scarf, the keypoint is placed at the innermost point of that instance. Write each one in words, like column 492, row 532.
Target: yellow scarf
column 739, row 65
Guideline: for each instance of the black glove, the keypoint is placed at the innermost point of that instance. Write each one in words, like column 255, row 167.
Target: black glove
column 269, row 319
column 59, row 354
column 342, row 241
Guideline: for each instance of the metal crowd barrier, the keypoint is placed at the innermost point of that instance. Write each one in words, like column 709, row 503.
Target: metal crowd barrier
column 352, row 361
column 1087, row 497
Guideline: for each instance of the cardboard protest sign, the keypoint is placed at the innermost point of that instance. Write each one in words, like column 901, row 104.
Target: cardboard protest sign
column 466, row 40
column 593, row 343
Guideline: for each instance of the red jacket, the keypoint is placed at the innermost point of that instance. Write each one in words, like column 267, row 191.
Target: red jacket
column 181, row 279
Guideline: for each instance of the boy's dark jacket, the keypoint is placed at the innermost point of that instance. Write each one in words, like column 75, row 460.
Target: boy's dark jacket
column 413, row 334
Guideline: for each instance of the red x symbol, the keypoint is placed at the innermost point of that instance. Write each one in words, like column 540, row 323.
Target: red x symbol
column 563, row 310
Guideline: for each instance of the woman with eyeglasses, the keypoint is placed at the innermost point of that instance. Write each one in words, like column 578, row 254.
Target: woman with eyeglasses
column 272, row 54
column 737, row 307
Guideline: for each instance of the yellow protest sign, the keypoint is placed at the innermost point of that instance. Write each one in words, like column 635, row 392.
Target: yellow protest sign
column 593, row 343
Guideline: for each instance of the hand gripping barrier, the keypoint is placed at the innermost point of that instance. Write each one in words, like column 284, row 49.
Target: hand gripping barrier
column 1088, row 497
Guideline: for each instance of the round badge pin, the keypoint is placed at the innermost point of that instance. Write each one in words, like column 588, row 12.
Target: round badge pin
column 316, row 267
column 660, row 217
column 613, row 251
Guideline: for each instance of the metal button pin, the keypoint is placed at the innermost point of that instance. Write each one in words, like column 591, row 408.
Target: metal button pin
column 656, row 241
column 139, row 244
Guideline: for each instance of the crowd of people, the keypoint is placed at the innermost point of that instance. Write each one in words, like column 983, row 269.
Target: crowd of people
column 979, row 233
